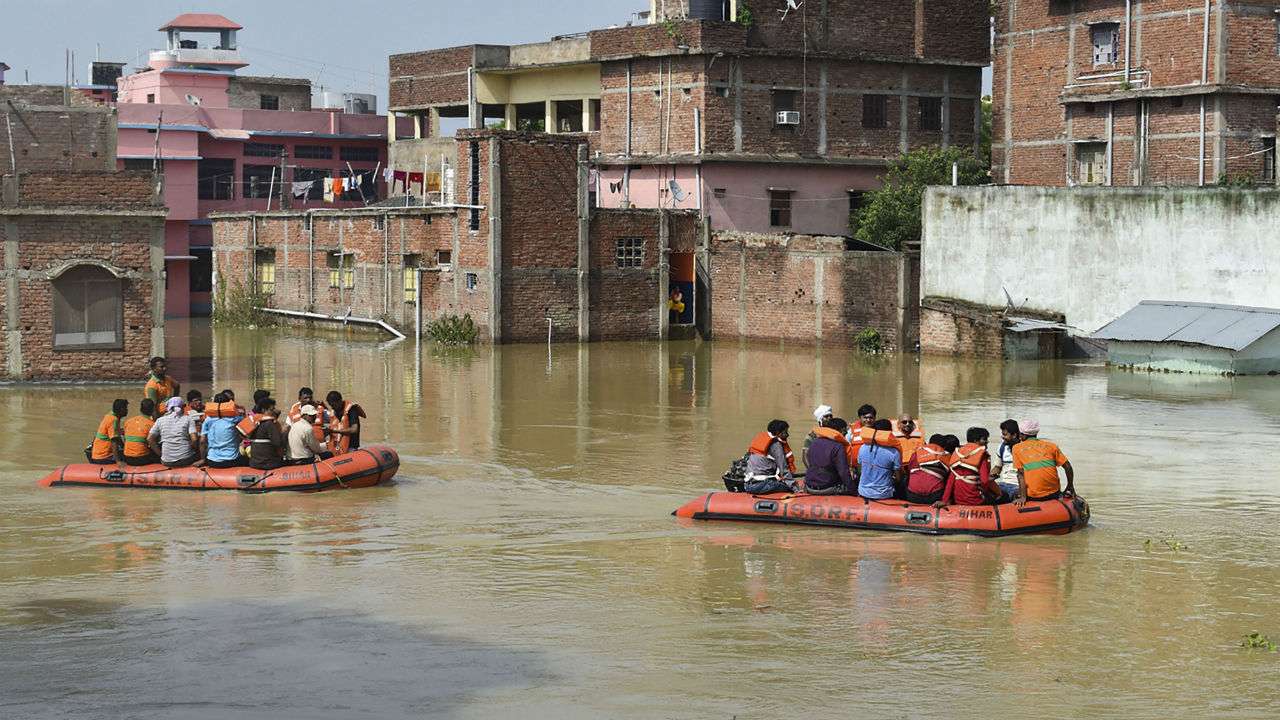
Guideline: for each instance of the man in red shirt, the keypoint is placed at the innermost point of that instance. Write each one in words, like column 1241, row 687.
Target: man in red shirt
column 970, row 481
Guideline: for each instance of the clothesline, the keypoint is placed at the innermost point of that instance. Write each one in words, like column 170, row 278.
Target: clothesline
column 1233, row 157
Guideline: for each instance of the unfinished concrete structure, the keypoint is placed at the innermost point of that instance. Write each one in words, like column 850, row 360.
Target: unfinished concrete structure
column 1141, row 92
column 761, row 120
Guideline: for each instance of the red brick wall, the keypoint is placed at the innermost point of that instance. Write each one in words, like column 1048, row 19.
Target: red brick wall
column 46, row 242
column 122, row 189
column 64, row 139
column 767, row 286
column 625, row 303
column 430, row 78
column 944, row 333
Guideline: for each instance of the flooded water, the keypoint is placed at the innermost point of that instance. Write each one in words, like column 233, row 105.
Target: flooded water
column 525, row 563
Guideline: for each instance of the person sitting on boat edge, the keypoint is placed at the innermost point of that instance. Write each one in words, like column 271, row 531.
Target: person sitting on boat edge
column 970, row 481
column 137, row 451
column 105, row 448
column 828, row 461
column 219, row 439
column 927, row 471
column 771, row 465
column 267, row 443
column 175, row 437
column 910, row 436
column 195, row 408
column 304, row 447
column 344, row 428
column 821, row 415
column 1037, row 462
column 880, row 465
column 1002, row 461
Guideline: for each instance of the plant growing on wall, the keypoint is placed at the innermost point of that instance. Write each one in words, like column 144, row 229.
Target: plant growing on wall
column 869, row 342
column 453, row 330
column 890, row 216
column 240, row 306
column 745, row 18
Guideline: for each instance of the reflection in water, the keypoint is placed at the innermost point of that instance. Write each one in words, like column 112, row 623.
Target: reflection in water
column 526, row 562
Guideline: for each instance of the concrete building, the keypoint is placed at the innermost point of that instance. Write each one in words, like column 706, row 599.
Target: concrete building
column 230, row 142
column 1195, row 338
column 1104, row 92
column 1084, row 256
column 763, row 119
column 83, row 245
column 523, row 253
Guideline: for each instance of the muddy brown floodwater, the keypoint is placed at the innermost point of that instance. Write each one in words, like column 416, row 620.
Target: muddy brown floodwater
column 525, row 564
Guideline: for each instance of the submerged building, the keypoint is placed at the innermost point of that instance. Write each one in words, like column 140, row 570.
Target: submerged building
column 1195, row 338
column 231, row 142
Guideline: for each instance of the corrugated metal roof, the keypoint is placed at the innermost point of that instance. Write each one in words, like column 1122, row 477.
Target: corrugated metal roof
column 1226, row 326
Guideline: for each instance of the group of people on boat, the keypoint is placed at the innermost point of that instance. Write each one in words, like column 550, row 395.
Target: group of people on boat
column 177, row 431
column 881, row 459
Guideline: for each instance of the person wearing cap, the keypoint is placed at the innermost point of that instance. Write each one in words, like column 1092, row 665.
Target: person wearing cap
column 304, row 448
column 1037, row 462
column 174, row 437
column 822, row 415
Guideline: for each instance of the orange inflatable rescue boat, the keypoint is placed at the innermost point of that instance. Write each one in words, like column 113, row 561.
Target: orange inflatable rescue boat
column 361, row 468
column 850, row 511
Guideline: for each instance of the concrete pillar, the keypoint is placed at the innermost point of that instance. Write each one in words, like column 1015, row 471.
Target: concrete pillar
column 391, row 127
column 904, row 115
column 157, row 288
column 586, row 114
column 822, row 109
column 584, row 245
column 13, row 338
column 510, row 116
column 419, row 131
column 550, row 116
column 495, row 239
column 664, row 272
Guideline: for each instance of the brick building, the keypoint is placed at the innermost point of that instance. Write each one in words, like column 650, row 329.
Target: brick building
column 523, row 245
column 761, row 120
column 83, row 245
column 1135, row 92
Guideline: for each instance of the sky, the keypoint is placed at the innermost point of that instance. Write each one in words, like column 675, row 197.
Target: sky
column 342, row 46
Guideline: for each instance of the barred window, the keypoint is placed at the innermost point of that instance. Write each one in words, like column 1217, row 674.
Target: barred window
column 931, row 114
column 269, row 102
column 87, row 310
column 265, row 262
column 875, row 111
column 630, row 252
column 358, row 154
column 780, row 208
column 342, row 270
column 411, row 263
column 263, row 150
column 313, row 152
column 261, row 181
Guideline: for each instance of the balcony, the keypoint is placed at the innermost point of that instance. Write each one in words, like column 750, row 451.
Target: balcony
column 1116, row 81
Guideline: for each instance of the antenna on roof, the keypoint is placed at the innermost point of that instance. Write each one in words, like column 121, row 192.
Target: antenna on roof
column 791, row 5
column 193, row 101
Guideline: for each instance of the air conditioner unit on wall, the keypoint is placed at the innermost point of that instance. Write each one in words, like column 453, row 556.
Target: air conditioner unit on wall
column 788, row 117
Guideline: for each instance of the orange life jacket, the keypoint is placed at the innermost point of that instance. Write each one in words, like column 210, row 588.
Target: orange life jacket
column 135, row 433
column 966, row 463
column 342, row 443
column 934, row 460
column 320, row 428
column 249, row 424
column 223, row 410
column 108, row 430
column 760, row 446
column 879, row 437
column 918, row 432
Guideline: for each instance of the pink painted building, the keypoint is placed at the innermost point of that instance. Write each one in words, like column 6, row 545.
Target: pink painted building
column 227, row 142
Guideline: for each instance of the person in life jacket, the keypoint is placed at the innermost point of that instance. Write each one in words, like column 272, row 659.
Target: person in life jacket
column 261, row 403
column 136, row 451
column 771, row 465
column 880, row 463
column 866, row 418
column 970, row 482
column 160, row 387
column 108, row 440
column 928, row 468
column 909, row 434
column 344, row 428
column 821, row 415
column 828, row 460
column 321, row 427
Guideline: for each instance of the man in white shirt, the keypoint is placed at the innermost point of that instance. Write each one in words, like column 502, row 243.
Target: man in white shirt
column 304, row 448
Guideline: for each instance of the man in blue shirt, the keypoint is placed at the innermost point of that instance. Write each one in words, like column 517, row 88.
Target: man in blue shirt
column 881, row 465
column 219, row 439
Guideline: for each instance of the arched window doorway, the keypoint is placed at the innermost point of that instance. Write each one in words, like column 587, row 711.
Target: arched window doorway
column 87, row 310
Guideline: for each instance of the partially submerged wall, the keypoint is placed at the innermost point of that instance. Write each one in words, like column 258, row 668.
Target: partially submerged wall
column 1092, row 254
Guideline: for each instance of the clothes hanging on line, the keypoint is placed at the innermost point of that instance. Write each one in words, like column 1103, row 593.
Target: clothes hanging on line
column 415, row 178
column 388, row 175
column 301, row 189
column 401, row 178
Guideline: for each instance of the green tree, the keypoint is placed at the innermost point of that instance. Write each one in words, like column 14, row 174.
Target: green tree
column 984, row 132
column 890, row 216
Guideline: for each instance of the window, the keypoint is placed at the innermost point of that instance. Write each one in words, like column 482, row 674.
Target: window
column 358, row 154
column 475, row 186
column 269, row 102
column 260, row 182
column 630, row 253
column 1091, row 163
column 87, row 310
column 784, row 100
column 780, row 208
column 723, row 91
column 875, row 111
column 215, row 179
column 137, row 164
column 1105, row 39
column 1269, row 159
column 594, row 107
column 411, row 263
column 200, row 271
column 263, row 150
column 265, row 263
column 313, row 152
column 342, row 270
column 931, row 114
column 151, row 98
column 473, row 281
column 444, row 260
column 855, row 200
